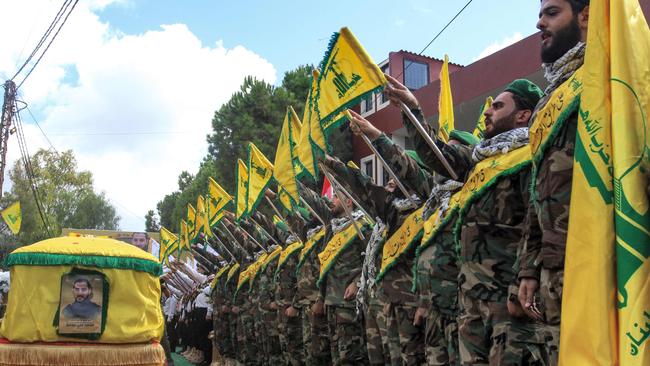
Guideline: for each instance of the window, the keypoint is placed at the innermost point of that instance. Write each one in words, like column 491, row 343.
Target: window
column 384, row 174
column 368, row 166
column 382, row 99
column 416, row 74
column 368, row 105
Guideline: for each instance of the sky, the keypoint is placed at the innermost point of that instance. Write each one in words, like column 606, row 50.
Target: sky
column 131, row 85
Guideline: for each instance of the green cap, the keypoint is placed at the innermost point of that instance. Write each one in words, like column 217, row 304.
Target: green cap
column 464, row 137
column 414, row 155
column 526, row 90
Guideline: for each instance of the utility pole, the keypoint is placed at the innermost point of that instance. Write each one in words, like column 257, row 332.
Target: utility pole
column 7, row 116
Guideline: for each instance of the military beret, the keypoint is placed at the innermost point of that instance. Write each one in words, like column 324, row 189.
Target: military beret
column 527, row 91
column 464, row 137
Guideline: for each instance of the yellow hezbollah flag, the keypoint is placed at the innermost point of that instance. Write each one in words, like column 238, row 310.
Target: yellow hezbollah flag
column 479, row 130
column 218, row 199
column 260, row 172
column 13, row 217
column 348, row 75
column 168, row 244
column 608, row 263
column 445, row 103
column 202, row 223
column 284, row 165
column 285, row 199
column 311, row 133
column 241, row 192
column 184, row 244
column 191, row 223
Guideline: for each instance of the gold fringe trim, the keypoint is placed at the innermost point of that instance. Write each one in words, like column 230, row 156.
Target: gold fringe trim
column 82, row 355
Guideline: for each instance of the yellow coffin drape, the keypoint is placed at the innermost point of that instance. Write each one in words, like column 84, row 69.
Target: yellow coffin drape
column 133, row 313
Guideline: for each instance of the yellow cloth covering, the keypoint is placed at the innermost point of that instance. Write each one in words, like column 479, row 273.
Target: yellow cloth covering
column 134, row 314
column 150, row 354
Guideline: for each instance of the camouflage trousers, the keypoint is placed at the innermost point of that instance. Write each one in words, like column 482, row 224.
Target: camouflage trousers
column 271, row 342
column 551, row 283
column 411, row 337
column 246, row 342
column 261, row 337
column 291, row 338
column 378, row 335
column 315, row 338
column 489, row 335
column 347, row 336
column 222, row 339
column 441, row 339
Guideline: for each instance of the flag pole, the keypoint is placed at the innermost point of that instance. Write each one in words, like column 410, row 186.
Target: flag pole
column 337, row 191
column 277, row 212
column 336, row 182
column 233, row 238
column 232, row 257
column 428, row 140
column 264, row 230
column 311, row 210
column 249, row 235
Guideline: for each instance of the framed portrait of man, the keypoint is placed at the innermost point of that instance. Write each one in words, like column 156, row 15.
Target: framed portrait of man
column 83, row 304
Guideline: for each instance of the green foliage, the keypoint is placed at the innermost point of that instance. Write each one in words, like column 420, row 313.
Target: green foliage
column 151, row 222
column 254, row 113
column 66, row 195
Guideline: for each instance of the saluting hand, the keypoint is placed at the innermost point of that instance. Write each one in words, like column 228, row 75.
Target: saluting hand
column 397, row 92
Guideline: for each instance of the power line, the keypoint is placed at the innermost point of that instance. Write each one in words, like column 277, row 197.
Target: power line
column 128, row 133
column 47, row 33
column 39, row 127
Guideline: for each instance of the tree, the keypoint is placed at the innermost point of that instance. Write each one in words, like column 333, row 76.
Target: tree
column 66, row 197
column 151, row 222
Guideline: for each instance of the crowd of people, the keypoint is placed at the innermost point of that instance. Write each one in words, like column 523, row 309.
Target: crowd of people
column 423, row 270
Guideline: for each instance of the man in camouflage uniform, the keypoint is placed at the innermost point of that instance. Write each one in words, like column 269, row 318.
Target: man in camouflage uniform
column 389, row 205
column 563, row 24
column 338, row 284
column 490, row 230
column 314, row 327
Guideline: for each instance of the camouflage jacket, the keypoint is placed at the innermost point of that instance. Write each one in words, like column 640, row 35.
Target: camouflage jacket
column 493, row 229
column 551, row 197
column 437, row 267
column 347, row 267
column 397, row 283
column 286, row 281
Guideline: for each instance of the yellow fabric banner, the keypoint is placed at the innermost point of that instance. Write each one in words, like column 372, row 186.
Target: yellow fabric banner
column 401, row 240
column 258, row 265
column 310, row 244
column 286, row 164
column 337, row 244
column 217, row 199
column 202, row 224
column 286, row 253
column 479, row 130
column 169, row 243
column 219, row 274
column 231, row 272
column 438, row 220
column 260, row 172
column 184, row 243
column 274, row 254
column 191, row 223
column 285, row 199
column 445, row 103
column 241, row 193
column 608, row 245
column 311, row 133
column 348, row 74
column 13, row 217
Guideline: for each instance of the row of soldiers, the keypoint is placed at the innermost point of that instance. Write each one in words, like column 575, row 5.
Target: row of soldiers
column 429, row 268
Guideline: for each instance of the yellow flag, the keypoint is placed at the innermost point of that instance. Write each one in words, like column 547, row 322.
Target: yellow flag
column 609, row 240
column 13, row 217
column 311, row 133
column 241, row 193
column 348, row 75
column 285, row 199
column 191, row 223
column 202, row 223
column 168, row 244
column 285, row 161
column 445, row 104
column 184, row 240
column 479, row 130
column 260, row 172
column 217, row 199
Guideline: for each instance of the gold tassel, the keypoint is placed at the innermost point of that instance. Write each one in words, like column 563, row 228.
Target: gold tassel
column 83, row 355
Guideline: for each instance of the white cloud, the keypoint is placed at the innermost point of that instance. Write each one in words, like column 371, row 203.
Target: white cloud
column 496, row 46
column 164, row 80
